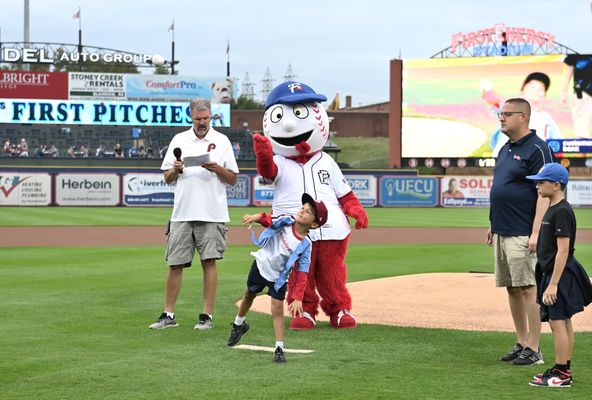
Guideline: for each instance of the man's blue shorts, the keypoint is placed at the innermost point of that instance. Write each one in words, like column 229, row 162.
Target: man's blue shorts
column 256, row 283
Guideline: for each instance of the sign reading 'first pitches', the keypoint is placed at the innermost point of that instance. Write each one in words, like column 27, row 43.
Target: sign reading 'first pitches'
column 99, row 113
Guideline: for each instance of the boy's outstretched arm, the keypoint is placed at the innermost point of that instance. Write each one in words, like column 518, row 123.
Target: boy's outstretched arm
column 262, row 218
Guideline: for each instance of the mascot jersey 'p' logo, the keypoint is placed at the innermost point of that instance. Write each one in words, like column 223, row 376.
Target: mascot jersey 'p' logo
column 294, row 86
column 211, row 147
column 324, row 177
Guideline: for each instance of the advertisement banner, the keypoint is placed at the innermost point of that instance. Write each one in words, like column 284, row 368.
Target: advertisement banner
column 25, row 189
column 262, row 193
column 33, row 85
column 450, row 105
column 179, row 88
column 579, row 193
column 239, row 195
column 581, row 147
column 408, row 192
column 466, row 191
column 364, row 187
column 28, row 111
column 96, row 86
column 87, row 189
column 147, row 189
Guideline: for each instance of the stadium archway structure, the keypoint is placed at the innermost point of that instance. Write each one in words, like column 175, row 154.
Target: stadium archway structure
column 501, row 40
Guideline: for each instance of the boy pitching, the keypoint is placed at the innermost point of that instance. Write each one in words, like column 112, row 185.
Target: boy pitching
column 283, row 245
column 563, row 286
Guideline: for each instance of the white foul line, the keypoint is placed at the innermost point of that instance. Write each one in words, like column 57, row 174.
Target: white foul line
column 271, row 349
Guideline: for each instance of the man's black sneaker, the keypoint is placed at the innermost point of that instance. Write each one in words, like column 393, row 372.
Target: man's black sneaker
column 529, row 357
column 164, row 321
column 553, row 378
column 513, row 353
column 237, row 333
column 279, row 355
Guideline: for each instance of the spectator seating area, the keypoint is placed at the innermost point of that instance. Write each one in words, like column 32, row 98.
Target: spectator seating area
column 73, row 140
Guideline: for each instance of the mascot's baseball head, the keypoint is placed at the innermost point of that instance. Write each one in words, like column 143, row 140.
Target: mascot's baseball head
column 294, row 120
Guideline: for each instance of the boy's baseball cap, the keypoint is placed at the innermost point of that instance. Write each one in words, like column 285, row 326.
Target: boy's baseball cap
column 319, row 206
column 291, row 92
column 553, row 172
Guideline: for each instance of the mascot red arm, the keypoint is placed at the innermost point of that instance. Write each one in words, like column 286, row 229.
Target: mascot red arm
column 289, row 156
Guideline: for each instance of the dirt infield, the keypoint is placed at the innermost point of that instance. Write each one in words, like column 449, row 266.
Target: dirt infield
column 153, row 236
column 442, row 300
column 438, row 300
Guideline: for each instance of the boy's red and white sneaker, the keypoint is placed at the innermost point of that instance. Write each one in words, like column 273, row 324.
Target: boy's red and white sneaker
column 553, row 378
column 540, row 376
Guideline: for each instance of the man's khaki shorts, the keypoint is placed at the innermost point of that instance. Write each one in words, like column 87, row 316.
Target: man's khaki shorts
column 514, row 265
column 209, row 238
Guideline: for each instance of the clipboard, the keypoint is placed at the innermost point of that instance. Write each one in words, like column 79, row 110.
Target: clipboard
column 196, row 161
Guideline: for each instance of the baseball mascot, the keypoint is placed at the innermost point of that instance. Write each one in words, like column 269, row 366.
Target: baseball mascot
column 290, row 157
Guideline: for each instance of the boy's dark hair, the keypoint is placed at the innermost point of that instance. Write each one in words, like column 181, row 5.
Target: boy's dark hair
column 538, row 76
column 563, row 186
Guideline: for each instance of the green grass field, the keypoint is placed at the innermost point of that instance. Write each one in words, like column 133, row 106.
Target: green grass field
column 363, row 152
column 76, row 322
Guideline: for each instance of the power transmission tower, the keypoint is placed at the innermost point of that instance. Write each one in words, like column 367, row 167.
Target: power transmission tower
column 267, row 84
column 248, row 88
column 290, row 75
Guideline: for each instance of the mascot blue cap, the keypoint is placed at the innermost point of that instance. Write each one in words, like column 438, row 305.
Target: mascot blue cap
column 291, row 92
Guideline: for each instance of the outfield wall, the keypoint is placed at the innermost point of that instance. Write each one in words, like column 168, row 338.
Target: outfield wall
column 146, row 187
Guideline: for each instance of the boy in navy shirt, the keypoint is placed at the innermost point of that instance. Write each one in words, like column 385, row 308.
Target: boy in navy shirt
column 563, row 286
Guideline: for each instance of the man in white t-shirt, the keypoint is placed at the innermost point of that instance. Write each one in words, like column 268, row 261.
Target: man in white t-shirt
column 201, row 168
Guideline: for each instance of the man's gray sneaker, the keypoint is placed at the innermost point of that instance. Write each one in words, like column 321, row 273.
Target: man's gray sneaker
column 513, row 353
column 164, row 321
column 205, row 322
column 529, row 357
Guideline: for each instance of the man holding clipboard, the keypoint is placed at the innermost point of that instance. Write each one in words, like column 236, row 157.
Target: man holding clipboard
column 201, row 162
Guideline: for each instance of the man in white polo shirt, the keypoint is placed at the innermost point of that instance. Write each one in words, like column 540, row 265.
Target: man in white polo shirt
column 202, row 167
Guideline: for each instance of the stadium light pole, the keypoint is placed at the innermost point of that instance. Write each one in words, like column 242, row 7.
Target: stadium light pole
column 173, row 62
column 228, row 58
column 79, row 40
column 26, row 38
